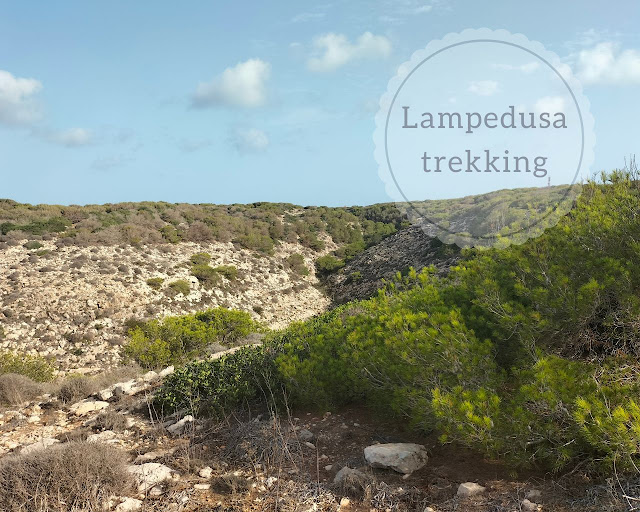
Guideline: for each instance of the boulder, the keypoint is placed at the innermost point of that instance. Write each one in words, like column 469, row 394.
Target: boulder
column 401, row 457
column 150, row 474
column 347, row 473
column 86, row 406
column 469, row 489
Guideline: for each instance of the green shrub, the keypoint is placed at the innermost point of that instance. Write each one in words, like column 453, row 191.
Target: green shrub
column 214, row 387
column 230, row 272
column 327, row 264
column 180, row 286
column 170, row 234
column 200, row 258
column 37, row 368
column 176, row 340
column 206, row 275
column 155, row 282
column 31, row 245
column 296, row 263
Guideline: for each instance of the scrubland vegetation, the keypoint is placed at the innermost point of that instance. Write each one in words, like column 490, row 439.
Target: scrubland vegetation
column 527, row 353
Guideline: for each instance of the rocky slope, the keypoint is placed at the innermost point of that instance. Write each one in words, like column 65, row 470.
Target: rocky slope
column 410, row 247
column 71, row 303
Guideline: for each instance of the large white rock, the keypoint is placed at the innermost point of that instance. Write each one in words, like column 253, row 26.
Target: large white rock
column 86, row 406
column 151, row 473
column 401, row 457
column 469, row 489
column 129, row 505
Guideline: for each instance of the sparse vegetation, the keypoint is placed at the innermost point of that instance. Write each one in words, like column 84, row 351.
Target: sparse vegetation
column 155, row 282
column 180, row 286
column 296, row 263
column 36, row 368
column 70, row 476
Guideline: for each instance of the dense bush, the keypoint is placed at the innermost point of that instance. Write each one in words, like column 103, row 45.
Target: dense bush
column 176, row 340
column 31, row 245
column 200, row 258
column 327, row 264
column 155, row 282
column 213, row 387
column 529, row 352
column 36, row 368
column 206, row 275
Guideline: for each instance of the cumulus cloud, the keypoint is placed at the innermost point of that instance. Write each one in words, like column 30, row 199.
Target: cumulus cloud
column 18, row 105
column 250, row 140
column 335, row 50
column 606, row 63
column 484, row 87
column 243, row 85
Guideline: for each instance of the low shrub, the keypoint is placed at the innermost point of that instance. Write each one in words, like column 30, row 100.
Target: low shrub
column 206, row 275
column 111, row 420
column 77, row 387
column 16, row 389
column 32, row 244
column 69, row 476
column 229, row 272
column 155, row 282
column 296, row 263
column 327, row 264
column 213, row 387
column 37, row 368
column 200, row 258
column 180, row 286
column 176, row 340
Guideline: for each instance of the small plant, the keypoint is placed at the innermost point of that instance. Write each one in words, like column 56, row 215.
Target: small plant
column 36, row 368
column 230, row 272
column 296, row 263
column 32, row 244
column 155, row 282
column 200, row 258
column 327, row 264
column 180, row 286
column 206, row 275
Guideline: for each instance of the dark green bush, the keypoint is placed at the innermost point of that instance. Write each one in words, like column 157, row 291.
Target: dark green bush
column 200, row 258
column 327, row 264
column 31, row 245
column 206, row 275
column 296, row 263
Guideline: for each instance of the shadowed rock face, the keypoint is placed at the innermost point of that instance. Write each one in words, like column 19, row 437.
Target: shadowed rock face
column 410, row 247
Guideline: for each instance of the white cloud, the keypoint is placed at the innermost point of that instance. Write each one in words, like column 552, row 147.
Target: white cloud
column 423, row 9
column 335, row 50
column 527, row 68
column 550, row 104
column 251, row 140
column 243, row 85
column 484, row 87
column 17, row 99
column 606, row 63
column 73, row 138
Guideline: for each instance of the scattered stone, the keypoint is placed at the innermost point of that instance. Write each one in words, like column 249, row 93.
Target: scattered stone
column 401, row 457
column 529, row 506
column 345, row 503
column 167, row 371
column 534, row 494
column 102, row 437
column 202, row 487
column 129, row 505
column 305, row 435
column 470, row 489
column 86, row 406
column 328, row 467
column 151, row 474
column 180, row 427
column 150, row 376
column 205, row 472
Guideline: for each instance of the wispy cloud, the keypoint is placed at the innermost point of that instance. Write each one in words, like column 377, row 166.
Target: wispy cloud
column 243, row 85
column 250, row 140
column 333, row 51
column 18, row 104
column 608, row 63
column 484, row 87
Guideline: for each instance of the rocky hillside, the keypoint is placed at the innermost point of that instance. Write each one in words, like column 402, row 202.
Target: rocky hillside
column 71, row 302
column 361, row 277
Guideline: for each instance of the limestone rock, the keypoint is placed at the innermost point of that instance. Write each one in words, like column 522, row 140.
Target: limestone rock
column 470, row 489
column 86, row 406
column 150, row 474
column 401, row 457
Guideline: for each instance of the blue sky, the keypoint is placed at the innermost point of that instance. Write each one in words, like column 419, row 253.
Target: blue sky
column 255, row 101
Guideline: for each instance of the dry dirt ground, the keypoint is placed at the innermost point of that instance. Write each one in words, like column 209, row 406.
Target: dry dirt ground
column 255, row 461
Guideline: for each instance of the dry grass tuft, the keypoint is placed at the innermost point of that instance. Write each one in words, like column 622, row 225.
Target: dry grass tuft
column 16, row 389
column 71, row 476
